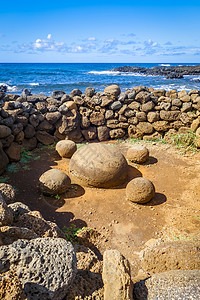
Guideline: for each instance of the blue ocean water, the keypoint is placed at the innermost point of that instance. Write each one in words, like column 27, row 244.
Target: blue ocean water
column 47, row 77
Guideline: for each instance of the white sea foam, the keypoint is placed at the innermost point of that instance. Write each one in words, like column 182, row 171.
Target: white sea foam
column 10, row 88
column 34, row 84
column 117, row 73
column 164, row 65
column 104, row 72
column 171, row 86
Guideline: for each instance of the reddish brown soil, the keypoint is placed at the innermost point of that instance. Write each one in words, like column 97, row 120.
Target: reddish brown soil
column 173, row 213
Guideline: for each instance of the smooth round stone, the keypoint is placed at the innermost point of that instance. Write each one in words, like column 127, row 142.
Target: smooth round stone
column 137, row 154
column 98, row 165
column 66, row 148
column 54, row 182
column 140, row 190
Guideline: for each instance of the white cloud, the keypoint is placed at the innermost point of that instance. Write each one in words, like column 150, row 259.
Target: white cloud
column 49, row 36
column 92, row 38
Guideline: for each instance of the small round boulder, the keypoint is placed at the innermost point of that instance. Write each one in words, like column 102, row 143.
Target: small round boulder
column 7, row 192
column 137, row 154
column 54, row 182
column 140, row 190
column 66, row 148
column 98, row 165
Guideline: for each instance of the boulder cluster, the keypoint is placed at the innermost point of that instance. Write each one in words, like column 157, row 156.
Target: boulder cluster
column 141, row 112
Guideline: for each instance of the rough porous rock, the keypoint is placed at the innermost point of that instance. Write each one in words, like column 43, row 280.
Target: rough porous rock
column 98, row 165
column 6, row 216
column 54, row 182
column 167, row 256
column 138, row 154
column 18, row 209
column 34, row 221
column 112, row 91
column 140, row 190
column 176, row 284
column 10, row 234
column 66, row 148
column 46, row 267
column 116, row 276
column 10, row 287
column 88, row 283
column 7, row 192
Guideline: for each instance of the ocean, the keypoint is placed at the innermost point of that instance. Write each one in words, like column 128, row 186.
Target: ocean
column 44, row 78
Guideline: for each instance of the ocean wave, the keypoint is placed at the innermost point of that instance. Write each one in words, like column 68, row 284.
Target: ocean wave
column 171, row 86
column 9, row 88
column 104, row 72
column 117, row 73
column 164, row 65
column 33, row 83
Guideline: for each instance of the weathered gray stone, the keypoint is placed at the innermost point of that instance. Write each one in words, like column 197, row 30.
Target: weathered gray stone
column 46, row 267
column 7, row 192
column 176, row 284
column 18, row 209
column 66, row 148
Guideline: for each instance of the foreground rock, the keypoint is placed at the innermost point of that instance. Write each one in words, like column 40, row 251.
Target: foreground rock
column 140, row 190
column 98, row 165
column 137, row 154
column 7, row 192
column 176, row 284
column 174, row 255
column 10, row 287
column 6, row 216
column 45, row 267
column 116, row 276
column 54, row 182
column 66, row 148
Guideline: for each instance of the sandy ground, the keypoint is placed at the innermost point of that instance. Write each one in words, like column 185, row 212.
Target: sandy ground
column 174, row 213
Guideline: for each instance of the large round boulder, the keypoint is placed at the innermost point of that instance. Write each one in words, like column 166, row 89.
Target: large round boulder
column 54, row 182
column 140, row 190
column 98, row 165
column 66, row 148
column 137, row 154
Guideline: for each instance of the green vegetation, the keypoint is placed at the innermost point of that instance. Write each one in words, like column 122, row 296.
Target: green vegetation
column 180, row 237
column 184, row 140
column 57, row 197
column 27, row 156
column 79, row 145
column 71, row 233
column 12, row 168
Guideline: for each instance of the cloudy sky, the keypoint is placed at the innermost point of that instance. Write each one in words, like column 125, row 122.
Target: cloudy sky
column 100, row 31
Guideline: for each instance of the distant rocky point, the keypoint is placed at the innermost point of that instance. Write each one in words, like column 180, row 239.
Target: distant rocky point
column 172, row 72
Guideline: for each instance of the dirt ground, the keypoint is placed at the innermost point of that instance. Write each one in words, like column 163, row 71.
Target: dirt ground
column 174, row 213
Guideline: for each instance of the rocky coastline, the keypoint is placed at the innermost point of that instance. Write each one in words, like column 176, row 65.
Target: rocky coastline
column 170, row 72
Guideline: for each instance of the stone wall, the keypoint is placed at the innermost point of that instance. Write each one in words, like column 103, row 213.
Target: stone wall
column 142, row 112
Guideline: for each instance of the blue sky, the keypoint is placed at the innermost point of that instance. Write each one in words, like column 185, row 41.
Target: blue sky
column 100, row 31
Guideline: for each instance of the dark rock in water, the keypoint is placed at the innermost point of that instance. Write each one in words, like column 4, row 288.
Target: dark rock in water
column 3, row 88
column 172, row 72
column 174, row 76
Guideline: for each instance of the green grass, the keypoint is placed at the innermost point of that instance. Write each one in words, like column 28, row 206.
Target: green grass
column 180, row 237
column 79, row 145
column 71, row 233
column 184, row 140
